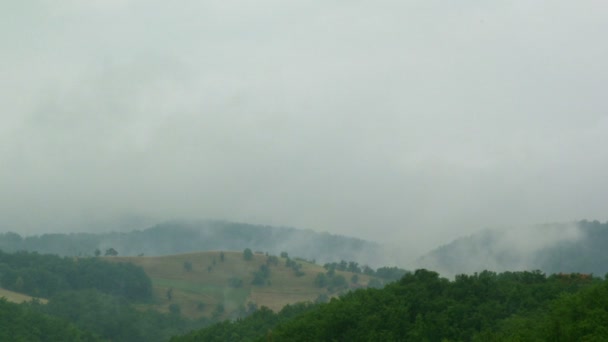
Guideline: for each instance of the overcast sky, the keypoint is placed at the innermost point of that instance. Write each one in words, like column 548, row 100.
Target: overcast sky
column 410, row 122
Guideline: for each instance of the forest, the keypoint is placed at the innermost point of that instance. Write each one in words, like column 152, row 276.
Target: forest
column 422, row 306
column 87, row 298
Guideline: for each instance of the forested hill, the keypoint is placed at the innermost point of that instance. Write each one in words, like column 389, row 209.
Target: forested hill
column 553, row 248
column 510, row 306
column 180, row 237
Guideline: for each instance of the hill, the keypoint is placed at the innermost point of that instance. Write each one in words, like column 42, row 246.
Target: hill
column 511, row 306
column 221, row 284
column 552, row 248
column 184, row 237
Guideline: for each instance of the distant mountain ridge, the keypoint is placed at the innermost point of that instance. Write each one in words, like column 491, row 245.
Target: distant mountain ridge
column 579, row 247
column 183, row 237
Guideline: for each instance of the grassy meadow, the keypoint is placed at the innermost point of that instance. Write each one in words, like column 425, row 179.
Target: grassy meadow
column 17, row 297
column 199, row 282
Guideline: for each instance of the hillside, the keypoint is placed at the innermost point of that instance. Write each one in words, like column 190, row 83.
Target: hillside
column 16, row 297
column 185, row 237
column 552, row 248
column 510, row 306
column 201, row 284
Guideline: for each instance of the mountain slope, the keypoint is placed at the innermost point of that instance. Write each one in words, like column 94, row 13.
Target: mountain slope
column 552, row 248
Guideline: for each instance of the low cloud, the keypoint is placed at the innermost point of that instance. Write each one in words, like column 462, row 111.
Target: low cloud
column 410, row 123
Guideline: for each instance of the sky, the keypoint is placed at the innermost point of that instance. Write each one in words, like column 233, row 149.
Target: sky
column 408, row 122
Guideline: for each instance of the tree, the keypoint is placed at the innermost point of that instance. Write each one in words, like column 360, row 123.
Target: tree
column 272, row 260
column 97, row 252
column 354, row 279
column 235, row 282
column 188, row 266
column 321, row 280
column 247, row 254
column 260, row 277
column 353, row 267
column 222, row 256
column 111, row 252
column 338, row 281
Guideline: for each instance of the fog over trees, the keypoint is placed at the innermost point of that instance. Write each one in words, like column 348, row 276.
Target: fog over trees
column 300, row 170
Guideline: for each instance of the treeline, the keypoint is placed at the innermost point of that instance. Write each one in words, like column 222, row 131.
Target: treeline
column 260, row 323
column 115, row 318
column 18, row 322
column 98, row 298
column 46, row 275
column 386, row 273
column 421, row 306
column 182, row 237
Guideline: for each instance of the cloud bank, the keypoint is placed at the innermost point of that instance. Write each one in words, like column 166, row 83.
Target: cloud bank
column 409, row 122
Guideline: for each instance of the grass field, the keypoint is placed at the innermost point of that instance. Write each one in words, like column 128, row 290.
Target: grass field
column 17, row 297
column 199, row 290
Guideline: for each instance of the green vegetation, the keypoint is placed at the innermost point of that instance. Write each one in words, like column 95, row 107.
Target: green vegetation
column 105, row 299
column 255, row 325
column 17, row 297
column 264, row 280
column 232, row 295
column 21, row 323
column 247, row 254
column 117, row 319
column 45, row 275
column 511, row 306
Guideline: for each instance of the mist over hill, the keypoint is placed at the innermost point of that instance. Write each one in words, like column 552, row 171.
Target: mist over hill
column 552, row 248
column 181, row 237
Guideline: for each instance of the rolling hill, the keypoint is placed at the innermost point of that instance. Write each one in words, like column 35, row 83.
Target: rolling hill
column 186, row 237
column 201, row 284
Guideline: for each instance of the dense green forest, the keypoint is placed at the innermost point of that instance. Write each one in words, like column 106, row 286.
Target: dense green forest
column 510, row 306
column 95, row 296
column 19, row 322
column 115, row 318
column 180, row 237
column 46, row 275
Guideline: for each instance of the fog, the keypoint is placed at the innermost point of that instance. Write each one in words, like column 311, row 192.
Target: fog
column 409, row 122
column 514, row 249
